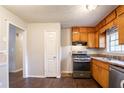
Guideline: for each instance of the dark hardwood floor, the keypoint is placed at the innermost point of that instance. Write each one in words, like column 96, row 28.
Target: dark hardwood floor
column 16, row 81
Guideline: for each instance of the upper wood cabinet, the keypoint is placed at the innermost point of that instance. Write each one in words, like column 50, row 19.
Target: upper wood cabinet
column 102, row 37
column 120, row 23
column 102, row 40
column 120, row 10
column 97, row 39
column 83, row 37
column 83, row 29
column 75, row 34
column 121, row 28
column 83, row 34
column 109, row 25
column 102, row 23
column 110, row 17
column 115, row 22
column 91, row 40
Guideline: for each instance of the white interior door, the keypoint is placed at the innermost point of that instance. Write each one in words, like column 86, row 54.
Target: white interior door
column 50, row 54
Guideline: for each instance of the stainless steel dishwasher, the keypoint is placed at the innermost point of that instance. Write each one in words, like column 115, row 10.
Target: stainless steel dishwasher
column 116, row 78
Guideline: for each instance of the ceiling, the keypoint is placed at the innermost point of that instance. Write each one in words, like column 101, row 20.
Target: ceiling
column 67, row 15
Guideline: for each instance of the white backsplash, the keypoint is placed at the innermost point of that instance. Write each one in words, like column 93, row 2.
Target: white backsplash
column 89, row 51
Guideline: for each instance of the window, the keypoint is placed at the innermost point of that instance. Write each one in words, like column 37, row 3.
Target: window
column 112, row 41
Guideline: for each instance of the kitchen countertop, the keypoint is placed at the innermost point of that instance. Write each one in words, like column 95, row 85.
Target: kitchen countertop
column 112, row 61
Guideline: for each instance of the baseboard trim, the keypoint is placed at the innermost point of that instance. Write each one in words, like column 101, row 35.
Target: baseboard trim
column 35, row 76
column 66, row 72
column 58, row 77
column 18, row 70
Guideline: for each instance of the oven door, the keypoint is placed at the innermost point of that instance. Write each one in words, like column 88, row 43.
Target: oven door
column 81, row 66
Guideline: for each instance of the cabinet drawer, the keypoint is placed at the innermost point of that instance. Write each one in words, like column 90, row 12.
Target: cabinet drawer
column 101, row 64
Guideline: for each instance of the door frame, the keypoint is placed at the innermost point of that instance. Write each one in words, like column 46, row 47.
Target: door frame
column 57, row 56
column 24, row 44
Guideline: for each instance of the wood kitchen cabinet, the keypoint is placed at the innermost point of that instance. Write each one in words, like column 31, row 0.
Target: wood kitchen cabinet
column 102, row 23
column 120, row 10
column 75, row 34
column 91, row 40
column 110, row 17
column 83, row 34
column 102, row 40
column 121, row 28
column 97, row 39
column 103, row 77
column 100, row 72
column 120, row 21
column 95, row 72
column 83, row 37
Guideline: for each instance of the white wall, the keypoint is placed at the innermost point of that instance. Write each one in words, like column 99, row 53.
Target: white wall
column 5, row 16
column 9, row 16
column 66, row 59
column 35, row 42
column 3, row 76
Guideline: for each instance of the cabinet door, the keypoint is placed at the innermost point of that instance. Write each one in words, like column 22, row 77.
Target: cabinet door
column 97, row 39
column 83, row 36
column 95, row 72
column 102, row 40
column 91, row 40
column 103, row 77
column 75, row 34
column 121, row 28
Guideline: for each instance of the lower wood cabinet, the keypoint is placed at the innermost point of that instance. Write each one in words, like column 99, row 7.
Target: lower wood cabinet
column 95, row 72
column 100, row 72
column 104, row 77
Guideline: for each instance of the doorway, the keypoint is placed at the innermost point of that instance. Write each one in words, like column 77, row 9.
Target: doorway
column 15, row 55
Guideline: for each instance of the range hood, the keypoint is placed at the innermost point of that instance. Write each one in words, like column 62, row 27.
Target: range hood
column 79, row 43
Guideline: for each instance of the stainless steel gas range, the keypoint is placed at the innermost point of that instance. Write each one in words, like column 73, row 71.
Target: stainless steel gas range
column 81, row 64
